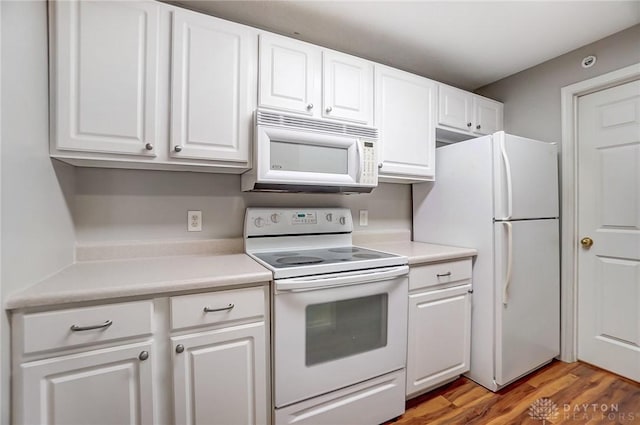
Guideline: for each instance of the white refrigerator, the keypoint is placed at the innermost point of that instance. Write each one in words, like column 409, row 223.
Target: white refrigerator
column 499, row 194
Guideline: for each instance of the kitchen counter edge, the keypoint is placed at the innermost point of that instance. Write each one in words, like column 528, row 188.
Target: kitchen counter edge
column 421, row 252
column 146, row 277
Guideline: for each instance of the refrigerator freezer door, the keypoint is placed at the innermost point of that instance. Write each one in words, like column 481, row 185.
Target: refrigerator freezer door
column 527, row 296
column 526, row 178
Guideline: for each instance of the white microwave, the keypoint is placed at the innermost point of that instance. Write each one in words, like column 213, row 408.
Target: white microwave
column 298, row 154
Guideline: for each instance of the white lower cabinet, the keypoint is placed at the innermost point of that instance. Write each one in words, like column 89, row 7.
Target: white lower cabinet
column 111, row 364
column 439, row 335
column 109, row 386
column 220, row 376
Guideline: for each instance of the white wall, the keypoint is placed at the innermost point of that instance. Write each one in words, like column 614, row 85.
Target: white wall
column 125, row 205
column 37, row 230
column 532, row 97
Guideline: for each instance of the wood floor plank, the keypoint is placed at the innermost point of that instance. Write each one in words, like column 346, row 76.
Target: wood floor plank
column 574, row 388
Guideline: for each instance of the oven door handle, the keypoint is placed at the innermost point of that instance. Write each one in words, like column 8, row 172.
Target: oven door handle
column 340, row 279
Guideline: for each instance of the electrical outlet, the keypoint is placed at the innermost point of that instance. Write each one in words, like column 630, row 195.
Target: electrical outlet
column 194, row 221
column 364, row 217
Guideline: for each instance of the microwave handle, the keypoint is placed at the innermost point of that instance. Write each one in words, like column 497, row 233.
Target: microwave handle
column 360, row 161
column 335, row 279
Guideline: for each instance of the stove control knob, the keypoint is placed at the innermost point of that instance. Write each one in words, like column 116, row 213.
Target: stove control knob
column 258, row 222
column 275, row 218
column 343, row 220
column 329, row 217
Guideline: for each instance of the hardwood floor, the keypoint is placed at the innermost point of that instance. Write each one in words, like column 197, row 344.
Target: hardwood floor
column 577, row 393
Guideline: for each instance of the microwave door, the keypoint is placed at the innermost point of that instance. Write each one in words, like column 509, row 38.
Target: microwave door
column 287, row 156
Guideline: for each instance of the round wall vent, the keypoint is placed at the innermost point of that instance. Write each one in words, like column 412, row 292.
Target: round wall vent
column 589, row 61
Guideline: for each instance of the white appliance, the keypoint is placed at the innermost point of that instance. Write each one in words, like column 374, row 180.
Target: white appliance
column 339, row 318
column 298, row 154
column 499, row 194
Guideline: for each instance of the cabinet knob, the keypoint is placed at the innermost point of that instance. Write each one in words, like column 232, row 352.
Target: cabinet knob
column 177, row 148
column 380, row 165
column 144, row 355
column 310, row 106
column 469, row 124
column 329, row 109
column 179, row 348
column 478, row 127
column 148, row 147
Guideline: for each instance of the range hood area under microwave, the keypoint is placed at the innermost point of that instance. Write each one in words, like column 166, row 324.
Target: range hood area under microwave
column 299, row 154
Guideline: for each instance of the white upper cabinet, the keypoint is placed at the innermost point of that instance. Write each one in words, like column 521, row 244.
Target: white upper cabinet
column 487, row 115
column 104, row 76
column 455, row 108
column 468, row 112
column 289, row 75
column 347, row 88
column 405, row 117
column 211, row 88
column 147, row 85
column 306, row 79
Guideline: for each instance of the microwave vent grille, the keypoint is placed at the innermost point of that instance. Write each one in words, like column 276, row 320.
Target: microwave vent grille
column 310, row 124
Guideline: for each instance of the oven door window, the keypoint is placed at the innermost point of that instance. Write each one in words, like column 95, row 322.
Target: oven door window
column 339, row 329
column 299, row 157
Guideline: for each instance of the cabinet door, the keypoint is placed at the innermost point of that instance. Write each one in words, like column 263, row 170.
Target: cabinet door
column 347, row 88
column 439, row 337
column 487, row 115
column 109, row 386
column 455, row 108
column 220, row 376
column 104, row 76
column 212, row 94
column 405, row 118
column 289, row 75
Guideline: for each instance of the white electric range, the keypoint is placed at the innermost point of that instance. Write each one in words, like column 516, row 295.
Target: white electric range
column 339, row 317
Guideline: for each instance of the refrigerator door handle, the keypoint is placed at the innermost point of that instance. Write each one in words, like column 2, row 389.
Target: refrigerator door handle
column 507, row 279
column 507, row 169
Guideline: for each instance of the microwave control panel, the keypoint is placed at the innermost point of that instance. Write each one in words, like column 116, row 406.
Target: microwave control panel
column 368, row 165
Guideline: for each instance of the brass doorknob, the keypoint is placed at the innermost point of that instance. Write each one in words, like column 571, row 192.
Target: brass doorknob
column 586, row 242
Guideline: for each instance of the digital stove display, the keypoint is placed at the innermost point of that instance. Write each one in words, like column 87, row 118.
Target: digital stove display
column 309, row 257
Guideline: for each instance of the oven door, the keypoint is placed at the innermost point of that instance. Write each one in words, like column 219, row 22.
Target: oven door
column 333, row 337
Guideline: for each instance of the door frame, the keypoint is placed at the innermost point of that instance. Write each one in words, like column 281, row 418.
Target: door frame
column 569, row 217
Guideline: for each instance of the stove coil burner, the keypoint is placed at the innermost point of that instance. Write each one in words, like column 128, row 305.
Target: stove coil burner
column 299, row 261
column 348, row 249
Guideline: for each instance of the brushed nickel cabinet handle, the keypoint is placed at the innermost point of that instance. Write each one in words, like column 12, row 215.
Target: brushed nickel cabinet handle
column 148, row 146
column 179, row 348
column 77, row 328
column 443, row 274
column 144, row 355
column 212, row 310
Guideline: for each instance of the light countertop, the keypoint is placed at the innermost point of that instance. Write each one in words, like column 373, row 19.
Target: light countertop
column 110, row 279
column 100, row 280
column 419, row 252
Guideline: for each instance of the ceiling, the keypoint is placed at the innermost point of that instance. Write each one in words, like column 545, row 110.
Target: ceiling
column 464, row 43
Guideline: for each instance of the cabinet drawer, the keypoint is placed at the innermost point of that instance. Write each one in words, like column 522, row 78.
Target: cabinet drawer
column 55, row 329
column 217, row 307
column 439, row 273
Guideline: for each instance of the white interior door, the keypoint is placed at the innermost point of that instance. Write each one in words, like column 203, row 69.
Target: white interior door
column 609, row 214
column 527, row 277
